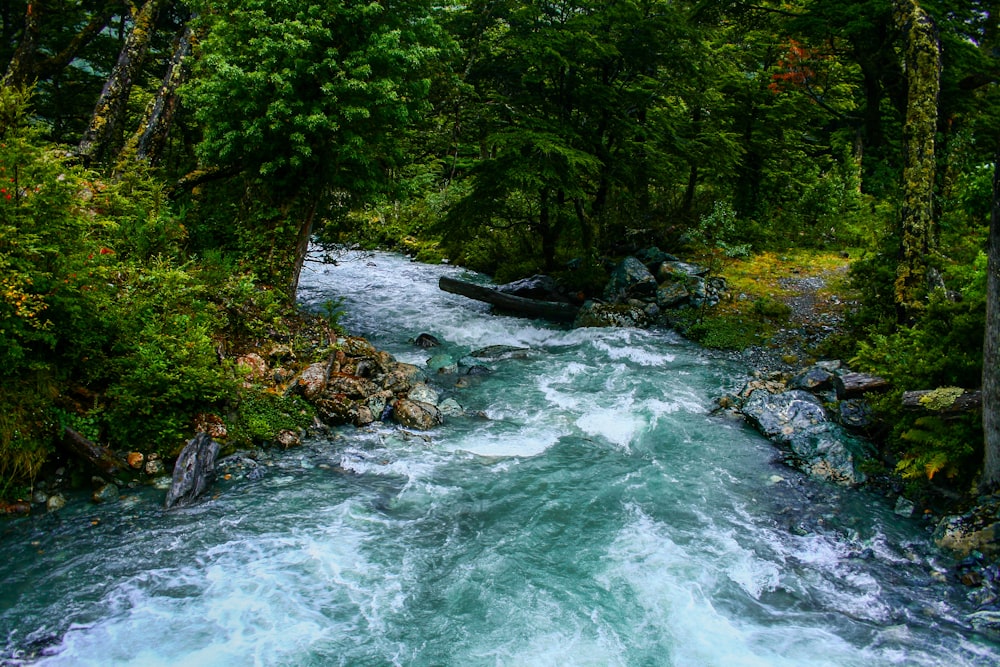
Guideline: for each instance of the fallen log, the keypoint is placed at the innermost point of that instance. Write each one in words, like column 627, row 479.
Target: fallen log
column 945, row 399
column 549, row 310
column 98, row 456
column 851, row 385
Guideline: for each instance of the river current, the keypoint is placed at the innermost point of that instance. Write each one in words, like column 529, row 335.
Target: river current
column 589, row 510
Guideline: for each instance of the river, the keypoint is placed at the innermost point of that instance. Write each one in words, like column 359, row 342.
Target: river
column 589, row 510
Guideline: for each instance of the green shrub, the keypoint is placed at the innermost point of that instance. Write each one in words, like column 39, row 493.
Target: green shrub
column 261, row 415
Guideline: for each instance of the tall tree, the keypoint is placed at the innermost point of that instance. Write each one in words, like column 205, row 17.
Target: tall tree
column 923, row 77
column 306, row 102
column 102, row 138
column 991, row 346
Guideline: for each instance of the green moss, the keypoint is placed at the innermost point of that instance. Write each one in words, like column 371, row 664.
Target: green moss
column 941, row 398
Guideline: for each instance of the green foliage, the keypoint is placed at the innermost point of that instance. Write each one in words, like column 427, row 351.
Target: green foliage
column 263, row 414
column 771, row 308
column 934, row 445
column 722, row 331
column 720, row 229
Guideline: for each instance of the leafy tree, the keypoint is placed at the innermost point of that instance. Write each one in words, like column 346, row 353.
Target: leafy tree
column 305, row 102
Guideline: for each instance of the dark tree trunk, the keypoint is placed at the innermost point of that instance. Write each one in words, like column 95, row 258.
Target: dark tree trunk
column 100, row 457
column 551, row 310
column 152, row 135
column 302, row 247
column 991, row 346
column 101, row 140
column 923, row 77
column 21, row 68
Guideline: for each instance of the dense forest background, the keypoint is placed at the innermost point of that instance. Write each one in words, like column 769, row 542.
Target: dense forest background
column 163, row 166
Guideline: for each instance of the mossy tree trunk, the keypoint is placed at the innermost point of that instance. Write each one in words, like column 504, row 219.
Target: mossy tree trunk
column 102, row 139
column 923, row 76
column 151, row 137
column 991, row 346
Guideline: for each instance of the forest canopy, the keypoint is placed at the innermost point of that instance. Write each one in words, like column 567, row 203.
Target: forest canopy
column 164, row 166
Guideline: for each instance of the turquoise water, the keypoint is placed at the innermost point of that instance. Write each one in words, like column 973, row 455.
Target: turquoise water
column 589, row 511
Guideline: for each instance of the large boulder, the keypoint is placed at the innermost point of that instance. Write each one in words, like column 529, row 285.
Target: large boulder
column 416, row 414
column 797, row 422
column 594, row 314
column 630, row 279
column 194, row 471
column 311, row 381
column 672, row 295
column 679, row 271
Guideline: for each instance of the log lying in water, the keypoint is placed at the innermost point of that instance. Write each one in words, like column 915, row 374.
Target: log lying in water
column 549, row 310
column 98, row 456
column 947, row 399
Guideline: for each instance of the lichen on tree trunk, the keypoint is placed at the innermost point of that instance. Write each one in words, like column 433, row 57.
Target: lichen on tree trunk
column 923, row 76
column 101, row 140
column 991, row 346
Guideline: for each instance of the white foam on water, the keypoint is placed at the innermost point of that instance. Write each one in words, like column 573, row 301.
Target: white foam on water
column 618, row 426
column 268, row 600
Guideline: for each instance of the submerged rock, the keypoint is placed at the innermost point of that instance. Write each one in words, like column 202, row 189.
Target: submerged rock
column 425, row 340
column 495, row 353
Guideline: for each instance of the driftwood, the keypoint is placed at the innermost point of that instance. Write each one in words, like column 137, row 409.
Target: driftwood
column 98, row 456
column 550, row 310
column 194, row 471
column 948, row 399
column 851, row 385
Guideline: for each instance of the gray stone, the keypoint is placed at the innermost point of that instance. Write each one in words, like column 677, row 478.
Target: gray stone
column 416, row 414
column 679, row 271
column 797, row 421
column 594, row 314
column 105, row 494
column 904, row 507
column 671, row 295
column 423, row 393
column 630, row 278
column 55, row 502
column 449, row 407
column 855, row 413
column 813, row 379
column 442, row 363
column 312, row 380
column 194, row 471
column 539, row 287
column 425, row 340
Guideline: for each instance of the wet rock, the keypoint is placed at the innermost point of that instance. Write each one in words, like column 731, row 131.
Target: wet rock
column 194, row 471
column 288, row 438
column 357, row 347
column 336, row 409
column 672, row 295
column 106, row 493
column 975, row 531
column 679, row 271
column 416, row 414
column 855, row 413
column 55, row 502
column 630, row 278
column 423, row 394
column 987, row 622
column 154, row 467
column 797, row 421
column 594, row 314
column 813, row 380
column 401, row 377
column 442, row 363
column 351, row 386
column 425, row 340
column 253, row 365
column 495, row 353
column 904, row 507
column 135, row 460
column 312, row 381
column 449, row 407
column 477, row 370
